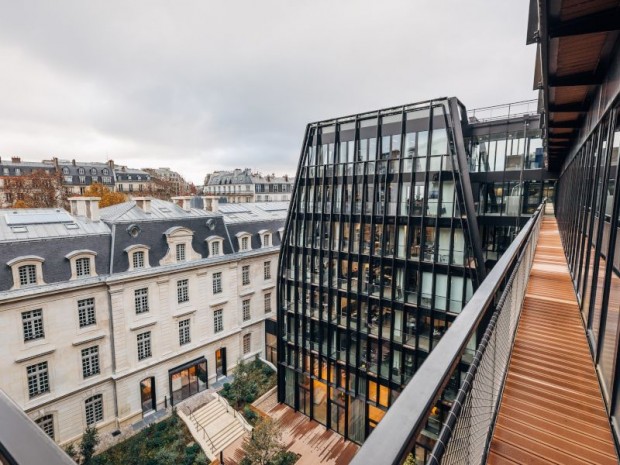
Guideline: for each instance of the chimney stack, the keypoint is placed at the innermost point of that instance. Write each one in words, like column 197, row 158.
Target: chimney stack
column 144, row 203
column 16, row 159
column 73, row 162
column 183, row 201
column 85, row 206
column 211, row 204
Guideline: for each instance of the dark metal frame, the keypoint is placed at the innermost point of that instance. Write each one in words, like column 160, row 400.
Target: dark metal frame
column 396, row 435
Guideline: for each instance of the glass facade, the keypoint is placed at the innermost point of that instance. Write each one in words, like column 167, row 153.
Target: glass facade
column 378, row 260
column 587, row 211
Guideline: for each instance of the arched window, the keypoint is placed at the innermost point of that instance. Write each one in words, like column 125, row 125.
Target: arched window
column 82, row 263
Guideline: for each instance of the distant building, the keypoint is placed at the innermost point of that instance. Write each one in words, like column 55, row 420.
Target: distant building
column 16, row 183
column 242, row 186
column 129, row 180
column 125, row 310
column 166, row 179
column 78, row 176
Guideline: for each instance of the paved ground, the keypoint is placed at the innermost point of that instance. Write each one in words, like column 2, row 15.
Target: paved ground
column 316, row 444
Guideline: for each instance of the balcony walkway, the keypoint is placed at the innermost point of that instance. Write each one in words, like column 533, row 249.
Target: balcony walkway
column 552, row 411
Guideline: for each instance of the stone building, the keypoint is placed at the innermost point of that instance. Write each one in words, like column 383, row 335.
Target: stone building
column 122, row 311
column 242, row 186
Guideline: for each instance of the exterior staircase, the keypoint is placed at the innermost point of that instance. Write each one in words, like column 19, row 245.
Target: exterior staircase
column 215, row 425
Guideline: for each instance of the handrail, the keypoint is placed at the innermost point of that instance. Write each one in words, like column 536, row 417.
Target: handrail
column 464, row 401
column 236, row 414
column 396, row 434
column 199, row 427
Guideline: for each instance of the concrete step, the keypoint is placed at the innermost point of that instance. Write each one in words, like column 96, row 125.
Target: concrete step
column 209, row 412
column 211, row 406
column 232, row 435
column 223, row 430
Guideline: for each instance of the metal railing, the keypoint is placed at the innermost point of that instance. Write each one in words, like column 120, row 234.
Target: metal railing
column 466, row 434
column 190, row 413
column 237, row 415
column 508, row 110
column 492, row 312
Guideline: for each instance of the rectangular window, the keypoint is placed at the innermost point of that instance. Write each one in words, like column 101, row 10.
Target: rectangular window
column 90, row 361
column 215, row 248
column 246, row 310
column 267, row 240
column 32, row 323
column 218, row 320
column 86, row 312
column 267, row 270
column 94, row 409
column 183, row 291
column 180, row 252
column 138, row 259
column 38, row 379
column 247, row 343
column 141, row 298
column 27, row 275
column 268, row 302
column 82, row 266
column 184, row 336
column 245, row 275
column 144, row 345
column 217, row 283
column 46, row 423
column 244, row 243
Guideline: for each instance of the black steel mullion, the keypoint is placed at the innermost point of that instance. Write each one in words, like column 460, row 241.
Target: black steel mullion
column 599, row 242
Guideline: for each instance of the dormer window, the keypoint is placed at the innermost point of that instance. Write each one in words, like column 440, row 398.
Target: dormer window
column 215, row 244
column 80, row 170
column 138, row 259
column 27, row 275
column 245, row 241
column 179, row 246
column 180, row 252
column 106, row 171
column 93, row 171
column 65, row 170
column 265, row 236
column 215, row 249
column 82, row 263
column 27, row 271
column 82, row 266
column 138, row 256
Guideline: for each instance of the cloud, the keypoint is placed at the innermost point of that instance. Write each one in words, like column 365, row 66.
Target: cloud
column 204, row 85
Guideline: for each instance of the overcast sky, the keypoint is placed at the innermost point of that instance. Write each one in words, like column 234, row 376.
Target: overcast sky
column 205, row 85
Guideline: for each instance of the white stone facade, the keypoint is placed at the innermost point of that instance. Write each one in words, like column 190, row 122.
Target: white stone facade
column 115, row 336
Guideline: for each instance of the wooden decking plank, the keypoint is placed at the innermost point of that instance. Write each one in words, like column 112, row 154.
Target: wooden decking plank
column 552, row 410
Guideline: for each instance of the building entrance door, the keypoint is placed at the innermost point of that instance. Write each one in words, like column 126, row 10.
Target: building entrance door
column 220, row 363
column 147, row 395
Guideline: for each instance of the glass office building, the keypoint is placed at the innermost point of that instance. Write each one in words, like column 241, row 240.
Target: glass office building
column 382, row 248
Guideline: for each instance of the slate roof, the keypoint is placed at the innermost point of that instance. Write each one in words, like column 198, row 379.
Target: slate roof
column 53, row 234
column 254, row 212
column 45, row 223
column 160, row 210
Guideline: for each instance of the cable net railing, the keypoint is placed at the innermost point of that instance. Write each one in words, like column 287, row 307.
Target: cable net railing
column 467, row 430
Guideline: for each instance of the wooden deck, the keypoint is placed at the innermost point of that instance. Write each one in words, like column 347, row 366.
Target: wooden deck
column 552, row 411
column 315, row 444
